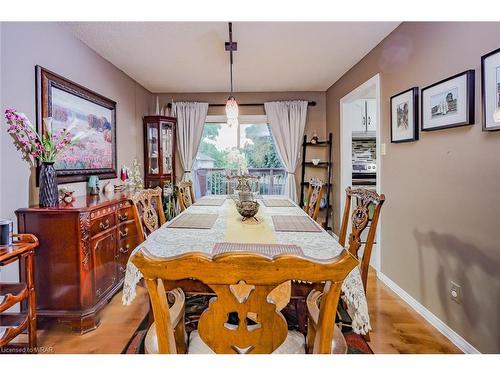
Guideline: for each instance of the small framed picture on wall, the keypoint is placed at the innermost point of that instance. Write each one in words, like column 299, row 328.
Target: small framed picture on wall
column 404, row 116
column 490, row 90
column 449, row 103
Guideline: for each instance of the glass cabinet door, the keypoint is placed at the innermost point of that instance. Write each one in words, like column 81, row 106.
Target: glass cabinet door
column 153, row 152
column 166, row 146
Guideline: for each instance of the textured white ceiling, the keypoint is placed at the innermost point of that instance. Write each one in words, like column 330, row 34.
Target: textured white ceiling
column 271, row 56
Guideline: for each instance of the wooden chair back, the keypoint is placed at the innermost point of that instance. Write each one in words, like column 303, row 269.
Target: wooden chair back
column 242, row 283
column 148, row 211
column 314, row 195
column 359, row 221
column 185, row 194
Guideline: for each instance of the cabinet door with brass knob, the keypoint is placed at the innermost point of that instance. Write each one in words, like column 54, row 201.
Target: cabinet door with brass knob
column 103, row 253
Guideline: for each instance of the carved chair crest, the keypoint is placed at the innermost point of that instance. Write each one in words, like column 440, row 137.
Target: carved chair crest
column 186, row 197
column 314, row 195
column 149, row 209
column 362, row 214
column 249, row 322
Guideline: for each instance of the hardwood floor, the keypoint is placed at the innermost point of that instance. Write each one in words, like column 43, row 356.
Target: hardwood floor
column 118, row 324
column 396, row 327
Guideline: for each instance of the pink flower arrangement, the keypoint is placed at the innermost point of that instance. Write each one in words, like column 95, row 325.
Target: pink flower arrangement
column 45, row 147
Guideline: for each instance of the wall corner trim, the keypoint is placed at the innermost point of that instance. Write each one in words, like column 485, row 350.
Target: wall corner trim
column 437, row 323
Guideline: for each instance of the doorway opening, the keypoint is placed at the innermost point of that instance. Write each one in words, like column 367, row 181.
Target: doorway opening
column 360, row 146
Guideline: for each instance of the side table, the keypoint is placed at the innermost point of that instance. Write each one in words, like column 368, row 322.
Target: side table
column 13, row 324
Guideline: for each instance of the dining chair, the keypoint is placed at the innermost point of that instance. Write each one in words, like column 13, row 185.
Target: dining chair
column 242, row 319
column 367, row 211
column 148, row 211
column 185, row 194
column 314, row 195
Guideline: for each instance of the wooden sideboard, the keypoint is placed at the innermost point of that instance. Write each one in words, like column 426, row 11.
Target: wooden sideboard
column 81, row 260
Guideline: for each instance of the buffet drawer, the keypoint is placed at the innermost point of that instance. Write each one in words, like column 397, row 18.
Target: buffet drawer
column 125, row 213
column 126, row 246
column 127, row 229
column 102, row 224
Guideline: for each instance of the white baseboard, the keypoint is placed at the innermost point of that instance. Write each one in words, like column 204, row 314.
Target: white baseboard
column 437, row 323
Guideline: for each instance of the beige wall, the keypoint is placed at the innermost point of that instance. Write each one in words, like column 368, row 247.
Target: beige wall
column 441, row 218
column 1, row 106
column 25, row 45
column 316, row 116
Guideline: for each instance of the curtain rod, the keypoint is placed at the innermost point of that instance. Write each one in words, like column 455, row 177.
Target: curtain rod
column 311, row 103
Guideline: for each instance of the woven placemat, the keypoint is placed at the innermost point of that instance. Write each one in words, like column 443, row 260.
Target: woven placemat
column 210, row 202
column 194, row 221
column 294, row 223
column 277, row 203
column 270, row 250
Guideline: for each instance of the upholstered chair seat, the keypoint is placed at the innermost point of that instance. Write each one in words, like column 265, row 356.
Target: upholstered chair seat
column 295, row 343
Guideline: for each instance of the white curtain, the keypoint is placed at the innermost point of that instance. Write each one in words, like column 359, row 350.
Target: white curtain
column 288, row 120
column 190, row 120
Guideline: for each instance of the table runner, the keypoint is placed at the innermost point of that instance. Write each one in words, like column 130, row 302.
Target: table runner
column 247, row 231
column 168, row 242
column 251, row 231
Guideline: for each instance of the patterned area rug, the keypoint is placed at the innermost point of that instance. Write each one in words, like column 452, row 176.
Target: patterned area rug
column 196, row 304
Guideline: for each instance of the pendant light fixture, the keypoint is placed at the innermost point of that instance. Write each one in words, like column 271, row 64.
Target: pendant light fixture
column 231, row 104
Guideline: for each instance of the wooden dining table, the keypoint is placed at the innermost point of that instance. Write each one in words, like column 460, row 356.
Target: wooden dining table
column 218, row 223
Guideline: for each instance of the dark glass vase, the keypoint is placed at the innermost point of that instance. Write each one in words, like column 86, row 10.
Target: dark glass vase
column 48, row 196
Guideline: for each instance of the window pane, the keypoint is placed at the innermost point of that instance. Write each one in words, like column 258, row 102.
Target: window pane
column 258, row 146
column 225, row 150
column 216, row 143
column 153, row 154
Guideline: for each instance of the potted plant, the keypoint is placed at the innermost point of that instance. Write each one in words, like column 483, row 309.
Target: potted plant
column 45, row 148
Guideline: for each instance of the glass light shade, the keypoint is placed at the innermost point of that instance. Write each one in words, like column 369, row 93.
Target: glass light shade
column 496, row 115
column 232, row 111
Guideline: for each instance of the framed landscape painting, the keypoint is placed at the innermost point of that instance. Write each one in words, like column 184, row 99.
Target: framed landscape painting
column 490, row 90
column 404, row 116
column 449, row 103
column 83, row 112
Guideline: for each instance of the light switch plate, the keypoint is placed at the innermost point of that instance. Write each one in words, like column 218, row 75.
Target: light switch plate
column 382, row 149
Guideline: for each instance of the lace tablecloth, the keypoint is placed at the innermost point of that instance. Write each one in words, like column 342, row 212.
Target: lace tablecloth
column 167, row 242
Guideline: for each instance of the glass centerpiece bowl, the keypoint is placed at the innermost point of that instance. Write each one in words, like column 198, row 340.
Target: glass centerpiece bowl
column 244, row 198
column 248, row 209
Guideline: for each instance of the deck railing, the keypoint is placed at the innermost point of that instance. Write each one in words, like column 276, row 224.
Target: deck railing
column 213, row 181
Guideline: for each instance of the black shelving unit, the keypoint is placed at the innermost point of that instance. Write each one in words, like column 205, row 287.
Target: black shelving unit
column 322, row 164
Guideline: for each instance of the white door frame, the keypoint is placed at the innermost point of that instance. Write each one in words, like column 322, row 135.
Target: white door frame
column 346, row 153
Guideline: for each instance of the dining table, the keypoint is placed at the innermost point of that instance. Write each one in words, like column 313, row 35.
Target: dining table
column 225, row 227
